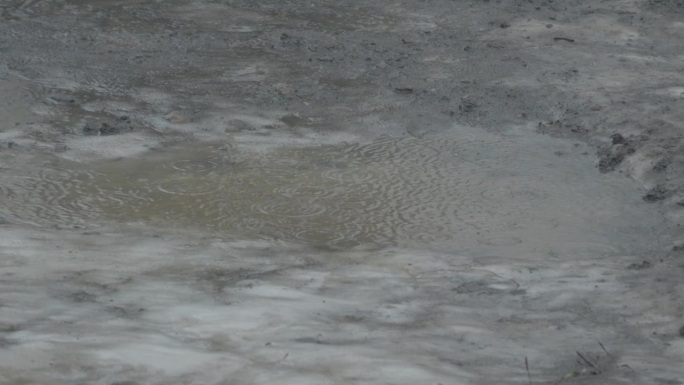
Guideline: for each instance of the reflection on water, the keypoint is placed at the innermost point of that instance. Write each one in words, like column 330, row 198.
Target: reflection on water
column 385, row 192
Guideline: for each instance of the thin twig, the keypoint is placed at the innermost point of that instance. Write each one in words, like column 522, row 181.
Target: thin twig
column 564, row 39
column 527, row 367
column 586, row 360
column 608, row 353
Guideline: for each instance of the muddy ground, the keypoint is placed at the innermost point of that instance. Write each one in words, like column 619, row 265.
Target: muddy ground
column 235, row 192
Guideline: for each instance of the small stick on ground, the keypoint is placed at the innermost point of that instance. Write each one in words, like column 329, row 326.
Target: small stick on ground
column 527, row 367
column 588, row 362
column 608, row 354
column 564, row 39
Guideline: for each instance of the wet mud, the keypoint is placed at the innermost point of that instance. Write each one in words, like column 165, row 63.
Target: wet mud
column 443, row 192
column 467, row 185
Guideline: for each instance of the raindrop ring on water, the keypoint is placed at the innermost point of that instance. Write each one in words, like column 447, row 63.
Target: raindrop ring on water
column 286, row 208
column 303, row 191
column 500, row 241
column 194, row 165
column 187, row 186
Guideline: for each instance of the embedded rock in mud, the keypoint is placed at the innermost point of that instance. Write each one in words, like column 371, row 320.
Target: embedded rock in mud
column 657, row 193
column 119, row 126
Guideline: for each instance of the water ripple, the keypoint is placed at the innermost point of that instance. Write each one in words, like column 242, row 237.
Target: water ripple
column 386, row 192
column 194, row 165
column 187, row 186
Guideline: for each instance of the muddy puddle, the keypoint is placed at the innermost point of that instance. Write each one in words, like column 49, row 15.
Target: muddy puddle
column 324, row 192
column 499, row 190
column 417, row 260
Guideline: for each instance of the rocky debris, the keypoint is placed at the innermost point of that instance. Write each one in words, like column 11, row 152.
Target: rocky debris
column 657, row 193
column 670, row 6
column 61, row 147
column 640, row 266
column 237, row 125
column 121, row 125
column 611, row 156
column 662, row 164
column 559, row 128
column 618, row 139
column 467, row 105
column 404, row 90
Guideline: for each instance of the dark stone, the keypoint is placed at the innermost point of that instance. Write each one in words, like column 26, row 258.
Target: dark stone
column 618, row 139
column 89, row 129
column 83, row 296
column 611, row 156
column 106, row 129
column 662, row 164
column 610, row 159
column 657, row 193
column 467, row 105
column 403, row 90
column 640, row 266
column 118, row 126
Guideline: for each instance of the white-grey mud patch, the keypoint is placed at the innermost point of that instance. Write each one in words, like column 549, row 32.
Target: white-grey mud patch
column 452, row 257
column 445, row 259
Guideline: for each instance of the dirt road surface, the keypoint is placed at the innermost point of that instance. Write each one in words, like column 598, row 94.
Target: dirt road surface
column 341, row 192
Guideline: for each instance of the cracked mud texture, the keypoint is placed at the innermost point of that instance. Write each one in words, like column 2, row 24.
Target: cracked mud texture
column 87, row 81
